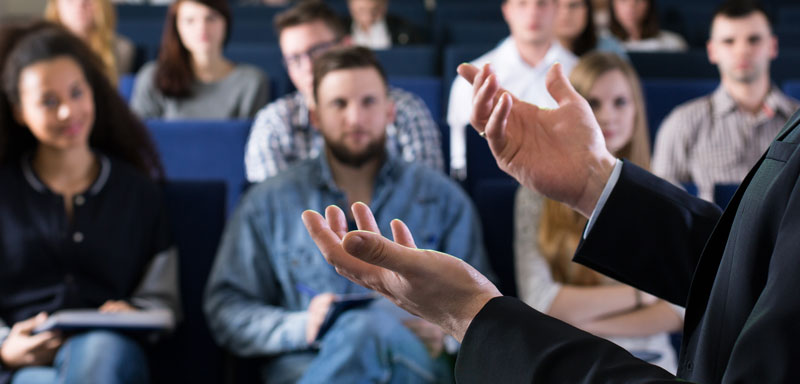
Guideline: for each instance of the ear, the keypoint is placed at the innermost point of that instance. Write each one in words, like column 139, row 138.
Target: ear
column 391, row 111
column 16, row 114
column 712, row 56
column 313, row 117
column 773, row 47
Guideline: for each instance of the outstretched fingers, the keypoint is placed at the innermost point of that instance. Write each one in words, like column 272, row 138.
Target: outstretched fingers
column 401, row 234
column 330, row 244
column 559, row 87
column 364, row 218
column 336, row 220
column 496, row 126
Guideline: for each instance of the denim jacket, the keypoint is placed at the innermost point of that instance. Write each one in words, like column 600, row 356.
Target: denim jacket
column 252, row 302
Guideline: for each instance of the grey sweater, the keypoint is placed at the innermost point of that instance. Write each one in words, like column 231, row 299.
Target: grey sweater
column 237, row 96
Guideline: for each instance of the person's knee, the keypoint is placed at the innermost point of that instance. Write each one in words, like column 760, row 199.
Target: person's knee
column 106, row 355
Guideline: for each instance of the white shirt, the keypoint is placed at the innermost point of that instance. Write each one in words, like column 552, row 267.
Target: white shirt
column 377, row 37
column 516, row 76
column 665, row 41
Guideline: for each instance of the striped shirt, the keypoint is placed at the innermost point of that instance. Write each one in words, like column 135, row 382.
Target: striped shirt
column 710, row 141
column 282, row 135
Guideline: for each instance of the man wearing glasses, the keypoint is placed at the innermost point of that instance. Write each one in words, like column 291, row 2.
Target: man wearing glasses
column 282, row 133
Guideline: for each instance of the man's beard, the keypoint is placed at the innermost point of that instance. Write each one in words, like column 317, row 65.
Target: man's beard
column 375, row 150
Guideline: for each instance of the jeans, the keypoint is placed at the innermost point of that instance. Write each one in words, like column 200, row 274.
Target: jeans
column 363, row 346
column 91, row 357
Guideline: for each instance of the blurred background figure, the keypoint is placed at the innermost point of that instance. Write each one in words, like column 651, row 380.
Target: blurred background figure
column 371, row 26
column 82, row 218
column 635, row 24
column 95, row 22
column 575, row 29
column 548, row 232
column 191, row 78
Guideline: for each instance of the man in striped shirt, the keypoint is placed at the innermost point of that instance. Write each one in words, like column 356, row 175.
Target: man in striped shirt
column 716, row 139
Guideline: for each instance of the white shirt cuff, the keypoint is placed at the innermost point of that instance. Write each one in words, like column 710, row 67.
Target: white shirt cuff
column 612, row 182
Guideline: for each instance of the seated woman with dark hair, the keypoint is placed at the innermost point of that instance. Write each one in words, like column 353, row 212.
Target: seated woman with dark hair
column 575, row 29
column 82, row 219
column 635, row 24
column 191, row 78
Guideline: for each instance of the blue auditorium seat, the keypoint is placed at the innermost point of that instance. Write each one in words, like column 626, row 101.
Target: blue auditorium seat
column 792, row 88
column 427, row 88
column 128, row 12
column 475, row 33
column 125, row 86
column 252, row 31
column 494, row 199
column 723, row 193
column 447, row 14
column 204, row 150
column 786, row 66
column 411, row 60
column 481, row 165
column 455, row 55
column 662, row 96
column 196, row 212
column 145, row 33
column 692, row 65
column 268, row 57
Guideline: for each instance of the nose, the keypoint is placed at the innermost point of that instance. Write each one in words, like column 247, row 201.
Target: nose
column 64, row 111
column 354, row 114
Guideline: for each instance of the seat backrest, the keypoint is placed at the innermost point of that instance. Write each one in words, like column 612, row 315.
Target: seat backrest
column 792, row 88
column 494, row 199
column 692, row 65
column 204, row 150
column 481, row 165
column 428, row 88
column 410, row 60
column 196, row 213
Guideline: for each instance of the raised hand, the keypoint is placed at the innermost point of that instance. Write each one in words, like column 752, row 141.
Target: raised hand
column 559, row 152
column 435, row 286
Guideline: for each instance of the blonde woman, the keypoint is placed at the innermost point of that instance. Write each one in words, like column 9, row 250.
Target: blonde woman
column 95, row 21
column 547, row 232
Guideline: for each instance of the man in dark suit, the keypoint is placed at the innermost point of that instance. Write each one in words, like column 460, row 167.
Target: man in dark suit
column 734, row 271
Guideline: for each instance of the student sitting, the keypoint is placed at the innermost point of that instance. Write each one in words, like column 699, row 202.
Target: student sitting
column 82, row 220
column 191, row 78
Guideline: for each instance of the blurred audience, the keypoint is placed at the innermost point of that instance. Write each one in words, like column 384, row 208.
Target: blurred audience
column 371, row 26
column 95, row 22
column 716, row 139
column 635, row 24
column 192, row 79
column 548, row 232
column 520, row 62
column 277, row 308
column 283, row 134
column 82, row 219
column 575, row 29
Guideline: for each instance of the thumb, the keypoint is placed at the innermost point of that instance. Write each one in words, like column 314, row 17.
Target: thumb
column 559, row 86
column 380, row 251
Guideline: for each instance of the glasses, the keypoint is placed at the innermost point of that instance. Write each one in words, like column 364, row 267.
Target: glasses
column 312, row 53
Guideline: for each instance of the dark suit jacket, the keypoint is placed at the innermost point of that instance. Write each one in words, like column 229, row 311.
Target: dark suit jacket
column 736, row 274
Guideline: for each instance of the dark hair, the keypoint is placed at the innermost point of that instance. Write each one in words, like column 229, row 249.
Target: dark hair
column 587, row 40
column 174, row 74
column 309, row 11
column 736, row 9
column 116, row 131
column 346, row 58
column 650, row 26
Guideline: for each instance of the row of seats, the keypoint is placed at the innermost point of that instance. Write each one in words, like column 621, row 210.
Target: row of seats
column 661, row 95
column 690, row 20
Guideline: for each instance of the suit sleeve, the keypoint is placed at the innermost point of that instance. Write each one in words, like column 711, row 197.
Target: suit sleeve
column 649, row 235
column 509, row 342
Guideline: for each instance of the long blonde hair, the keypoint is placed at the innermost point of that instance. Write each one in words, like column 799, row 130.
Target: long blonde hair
column 560, row 227
column 101, row 37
